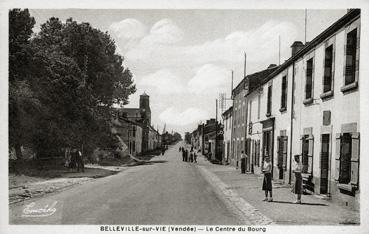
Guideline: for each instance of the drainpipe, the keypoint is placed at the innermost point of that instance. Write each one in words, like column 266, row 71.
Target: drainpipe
column 292, row 116
column 232, row 131
column 246, row 129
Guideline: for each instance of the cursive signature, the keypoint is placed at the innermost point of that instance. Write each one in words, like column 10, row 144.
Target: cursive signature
column 31, row 211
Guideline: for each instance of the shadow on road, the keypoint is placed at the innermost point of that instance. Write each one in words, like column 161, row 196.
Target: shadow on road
column 146, row 163
column 303, row 203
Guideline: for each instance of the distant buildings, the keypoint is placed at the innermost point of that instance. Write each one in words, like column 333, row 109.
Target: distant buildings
column 227, row 135
column 133, row 125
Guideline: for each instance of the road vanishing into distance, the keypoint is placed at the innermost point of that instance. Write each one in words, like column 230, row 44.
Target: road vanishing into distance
column 164, row 191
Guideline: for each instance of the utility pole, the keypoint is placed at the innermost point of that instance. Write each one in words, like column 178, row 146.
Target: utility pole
column 279, row 49
column 232, row 86
column 216, row 128
column 305, row 25
column 244, row 65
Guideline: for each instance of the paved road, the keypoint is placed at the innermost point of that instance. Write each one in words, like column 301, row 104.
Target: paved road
column 168, row 191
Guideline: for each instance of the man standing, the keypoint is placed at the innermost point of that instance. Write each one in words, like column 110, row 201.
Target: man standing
column 183, row 154
column 79, row 160
column 243, row 162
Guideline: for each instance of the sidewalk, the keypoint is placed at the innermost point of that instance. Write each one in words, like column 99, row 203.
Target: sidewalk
column 23, row 187
column 313, row 211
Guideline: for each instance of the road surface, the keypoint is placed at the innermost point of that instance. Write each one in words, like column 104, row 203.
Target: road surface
column 166, row 191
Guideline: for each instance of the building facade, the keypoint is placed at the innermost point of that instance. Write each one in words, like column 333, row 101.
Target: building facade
column 240, row 115
column 309, row 107
column 227, row 129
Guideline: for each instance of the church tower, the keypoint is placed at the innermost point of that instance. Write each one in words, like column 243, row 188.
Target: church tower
column 145, row 108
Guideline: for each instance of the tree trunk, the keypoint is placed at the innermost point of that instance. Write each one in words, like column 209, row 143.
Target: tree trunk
column 18, row 152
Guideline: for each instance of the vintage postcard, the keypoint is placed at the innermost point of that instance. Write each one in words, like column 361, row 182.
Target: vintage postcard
column 184, row 117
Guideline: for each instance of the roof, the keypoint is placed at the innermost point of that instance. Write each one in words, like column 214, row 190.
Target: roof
column 254, row 79
column 228, row 111
column 347, row 18
column 144, row 94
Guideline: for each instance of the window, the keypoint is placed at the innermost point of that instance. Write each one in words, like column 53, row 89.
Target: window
column 307, row 154
column 347, row 159
column 282, row 152
column 269, row 101
column 257, row 149
column 328, row 69
column 284, row 94
column 351, row 44
column 250, row 110
column 309, row 81
column 259, row 106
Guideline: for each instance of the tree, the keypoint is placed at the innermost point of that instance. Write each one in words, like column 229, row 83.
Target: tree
column 66, row 85
column 81, row 78
column 23, row 104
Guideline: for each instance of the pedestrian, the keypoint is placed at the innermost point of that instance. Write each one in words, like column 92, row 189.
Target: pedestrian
column 243, row 162
column 79, row 161
column 162, row 151
column 267, row 183
column 183, row 155
column 195, row 157
column 180, row 149
column 297, row 169
column 73, row 159
column 186, row 157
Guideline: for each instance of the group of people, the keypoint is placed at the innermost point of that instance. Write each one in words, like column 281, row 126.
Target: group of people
column 188, row 156
column 267, row 182
column 74, row 160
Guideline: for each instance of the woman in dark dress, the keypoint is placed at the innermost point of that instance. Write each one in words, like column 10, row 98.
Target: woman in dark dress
column 297, row 169
column 267, row 183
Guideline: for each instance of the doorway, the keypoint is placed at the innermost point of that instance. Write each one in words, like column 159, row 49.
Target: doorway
column 268, row 146
column 324, row 164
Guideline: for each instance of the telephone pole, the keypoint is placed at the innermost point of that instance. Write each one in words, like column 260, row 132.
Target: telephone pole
column 216, row 129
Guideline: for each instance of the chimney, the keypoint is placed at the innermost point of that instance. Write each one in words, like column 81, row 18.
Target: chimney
column 271, row 66
column 296, row 46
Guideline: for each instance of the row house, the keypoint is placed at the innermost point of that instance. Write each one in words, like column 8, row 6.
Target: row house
column 309, row 106
column 240, row 113
column 131, row 134
column 227, row 134
column 195, row 139
column 210, row 132
column 154, row 139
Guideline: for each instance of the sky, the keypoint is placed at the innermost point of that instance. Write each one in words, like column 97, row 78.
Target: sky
column 183, row 58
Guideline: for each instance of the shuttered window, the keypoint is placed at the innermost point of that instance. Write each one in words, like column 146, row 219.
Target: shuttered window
column 284, row 94
column 307, row 154
column 309, row 79
column 269, row 101
column 351, row 44
column 328, row 69
column 282, row 152
column 347, row 158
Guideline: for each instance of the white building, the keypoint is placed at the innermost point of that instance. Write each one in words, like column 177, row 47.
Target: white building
column 227, row 133
column 312, row 100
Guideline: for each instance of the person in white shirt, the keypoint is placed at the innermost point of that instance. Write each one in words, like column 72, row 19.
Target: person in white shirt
column 297, row 169
column 267, row 183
